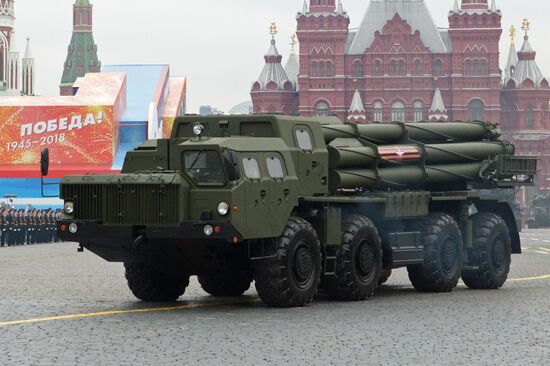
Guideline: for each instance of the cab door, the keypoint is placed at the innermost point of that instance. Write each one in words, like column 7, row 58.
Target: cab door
column 257, row 196
column 310, row 168
column 279, row 191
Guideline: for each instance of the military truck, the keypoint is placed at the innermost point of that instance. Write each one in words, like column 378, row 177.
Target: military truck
column 299, row 204
column 539, row 215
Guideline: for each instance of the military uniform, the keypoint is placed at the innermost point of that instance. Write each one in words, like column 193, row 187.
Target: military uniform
column 2, row 227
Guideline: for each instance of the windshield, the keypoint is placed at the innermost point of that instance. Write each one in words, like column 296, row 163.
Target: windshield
column 204, row 168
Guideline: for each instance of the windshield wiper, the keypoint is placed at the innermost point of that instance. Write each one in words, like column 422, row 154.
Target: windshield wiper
column 196, row 160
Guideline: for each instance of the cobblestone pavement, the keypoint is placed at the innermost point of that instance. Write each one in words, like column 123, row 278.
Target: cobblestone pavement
column 397, row 327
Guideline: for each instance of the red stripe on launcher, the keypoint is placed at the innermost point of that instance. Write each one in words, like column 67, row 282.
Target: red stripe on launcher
column 400, row 153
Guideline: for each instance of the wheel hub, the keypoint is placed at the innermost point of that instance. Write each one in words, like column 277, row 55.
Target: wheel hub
column 366, row 260
column 499, row 255
column 449, row 256
column 303, row 265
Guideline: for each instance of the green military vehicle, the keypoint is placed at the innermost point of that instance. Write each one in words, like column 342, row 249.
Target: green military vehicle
column 539, row 214
column 295, row 204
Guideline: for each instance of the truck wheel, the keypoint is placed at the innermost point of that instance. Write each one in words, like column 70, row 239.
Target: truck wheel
column 443, row 255
column 226, row 282
column 148, row 284
column 385, row 276
column 491, row 255
column 291, row 278
column 358, row 261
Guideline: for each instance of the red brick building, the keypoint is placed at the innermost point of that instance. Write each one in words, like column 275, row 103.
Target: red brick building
column 399, row 66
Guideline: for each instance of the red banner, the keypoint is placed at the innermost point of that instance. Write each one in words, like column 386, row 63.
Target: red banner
column 75, row 135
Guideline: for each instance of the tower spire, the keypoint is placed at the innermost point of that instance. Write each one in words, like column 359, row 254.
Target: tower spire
column 356, row 111
column 512, row 57
column 28, row 75
column 82, row 53
column 438, row 112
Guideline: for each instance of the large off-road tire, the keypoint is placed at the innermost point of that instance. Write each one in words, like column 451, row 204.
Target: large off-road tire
column 227, row 281
column 385, row 275
column 358, row 261
column 490, row 257
column 291, row 278
column 149, row 284
column 443, row 255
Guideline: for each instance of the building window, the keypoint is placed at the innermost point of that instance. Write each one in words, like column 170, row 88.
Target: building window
column 378, row 68
column 476, row 68
column 483, row 67
column 393, row 67
column 418, row 111
column 314, row 68
column 477, row 110
column 402, row 67
column 322, row 109
column 418, row 67
column 321, row 23
column 529, row 120
column 378, row 112
column 329, row 69
column 438, row 67
column 322, row 69
column 398, row 112
column 357, row 69
column 468, row 68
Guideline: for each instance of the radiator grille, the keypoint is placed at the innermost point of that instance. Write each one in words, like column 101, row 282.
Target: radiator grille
column 124, row 204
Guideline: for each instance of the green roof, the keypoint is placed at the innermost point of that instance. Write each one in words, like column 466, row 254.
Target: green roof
column 82, row 2
column 81, row 57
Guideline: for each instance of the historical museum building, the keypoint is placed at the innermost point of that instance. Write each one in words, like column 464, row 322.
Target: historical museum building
column 399, row 66
column 82, row 52
column 17, row 74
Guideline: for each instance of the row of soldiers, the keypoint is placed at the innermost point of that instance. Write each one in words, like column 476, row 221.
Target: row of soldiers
column 31, row 226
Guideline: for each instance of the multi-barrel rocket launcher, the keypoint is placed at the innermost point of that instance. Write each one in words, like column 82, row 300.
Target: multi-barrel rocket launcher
column 422, row 155
column 286, row 201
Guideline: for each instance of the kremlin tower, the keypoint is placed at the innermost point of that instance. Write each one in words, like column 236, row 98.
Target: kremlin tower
column 12, row 78
column 82, row 53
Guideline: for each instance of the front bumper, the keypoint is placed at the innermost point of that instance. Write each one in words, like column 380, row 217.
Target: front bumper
column 93, row 231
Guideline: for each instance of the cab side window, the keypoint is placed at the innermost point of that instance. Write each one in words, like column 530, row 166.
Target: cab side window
column 251, row 168
column 275, row 167
column 303, row 139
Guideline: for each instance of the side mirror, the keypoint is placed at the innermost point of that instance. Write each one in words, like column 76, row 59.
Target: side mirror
column 45, row 162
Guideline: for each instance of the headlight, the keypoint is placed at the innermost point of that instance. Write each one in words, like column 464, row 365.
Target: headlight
column 223, row 208
column 73, row 228
column 198, row 129
column 208, row 230
column 69, row 208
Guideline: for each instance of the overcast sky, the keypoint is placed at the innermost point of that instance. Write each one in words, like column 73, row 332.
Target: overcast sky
column 217, row 44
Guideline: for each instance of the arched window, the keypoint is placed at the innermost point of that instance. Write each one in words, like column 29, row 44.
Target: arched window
column 357, row 69
column 314, row 68
column 378, row 68
column 418, row 111
column 477, row 110
column 529, row 119
column 468, row 68
column 438, row 67
column 322, row 109
column 393, row 67
column 402, row 67
column 483, row 67
column 3, row 57
column 329, row 69
column 378, row 112
column 322, row 69
column 418, row 67
column 398, row 112
column 476, row 68
column 321, row 23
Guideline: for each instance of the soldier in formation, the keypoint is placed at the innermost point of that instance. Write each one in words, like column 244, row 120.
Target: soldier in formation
column 25, row 227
